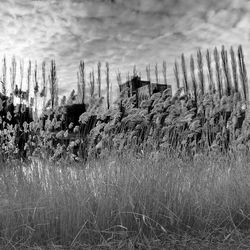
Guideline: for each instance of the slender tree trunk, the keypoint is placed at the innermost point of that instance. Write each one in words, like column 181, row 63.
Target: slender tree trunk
column 134, row 71
column 243, row 74
column 184, row 72
column 53, row 84
column 194, row 84
column 21, row 82
column 28, row 84
column 99, row 79
column 92, row 83
column 148, row 71
column 234, row 70
column 82, row 79
column 36, row 89
column 13, row 73
column 4, row 76
column 108, row 84
column 44, row 91
column 79, row 90
column 176, row 74
column 210, row 73
column 156, row 74
column 225, row 66
column 119, row 80
column 164, row 72
column 200, row 72
column 218, row 72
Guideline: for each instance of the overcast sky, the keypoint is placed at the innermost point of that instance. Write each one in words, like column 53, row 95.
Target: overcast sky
column 122, row 32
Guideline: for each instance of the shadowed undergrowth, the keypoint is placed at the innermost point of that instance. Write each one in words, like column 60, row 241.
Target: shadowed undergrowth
column 124, row 202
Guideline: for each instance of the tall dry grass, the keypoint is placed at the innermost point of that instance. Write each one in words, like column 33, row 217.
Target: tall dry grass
column 126, row 201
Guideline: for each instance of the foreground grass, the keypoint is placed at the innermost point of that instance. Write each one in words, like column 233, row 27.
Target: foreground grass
column 149, row 202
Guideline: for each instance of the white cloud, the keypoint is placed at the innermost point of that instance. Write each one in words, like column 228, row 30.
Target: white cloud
column 124, row 33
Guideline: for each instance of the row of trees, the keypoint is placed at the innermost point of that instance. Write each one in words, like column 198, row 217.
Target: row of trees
column 46, row 86
column 224, row 75
column 218, row 71
column 34, row 88
column 81, row 83
column 220, row 75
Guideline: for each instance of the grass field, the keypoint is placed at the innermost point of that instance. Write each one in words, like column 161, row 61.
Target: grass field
column 151, row 201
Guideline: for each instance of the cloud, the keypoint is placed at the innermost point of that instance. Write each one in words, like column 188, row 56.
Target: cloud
column 124, row 33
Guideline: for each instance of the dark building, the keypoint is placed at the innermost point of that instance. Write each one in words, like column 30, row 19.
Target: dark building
column 142, row 89
column 67, row 114
column 130, row 87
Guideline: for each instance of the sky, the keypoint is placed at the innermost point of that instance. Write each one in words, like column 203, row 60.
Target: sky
column 122, row 32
